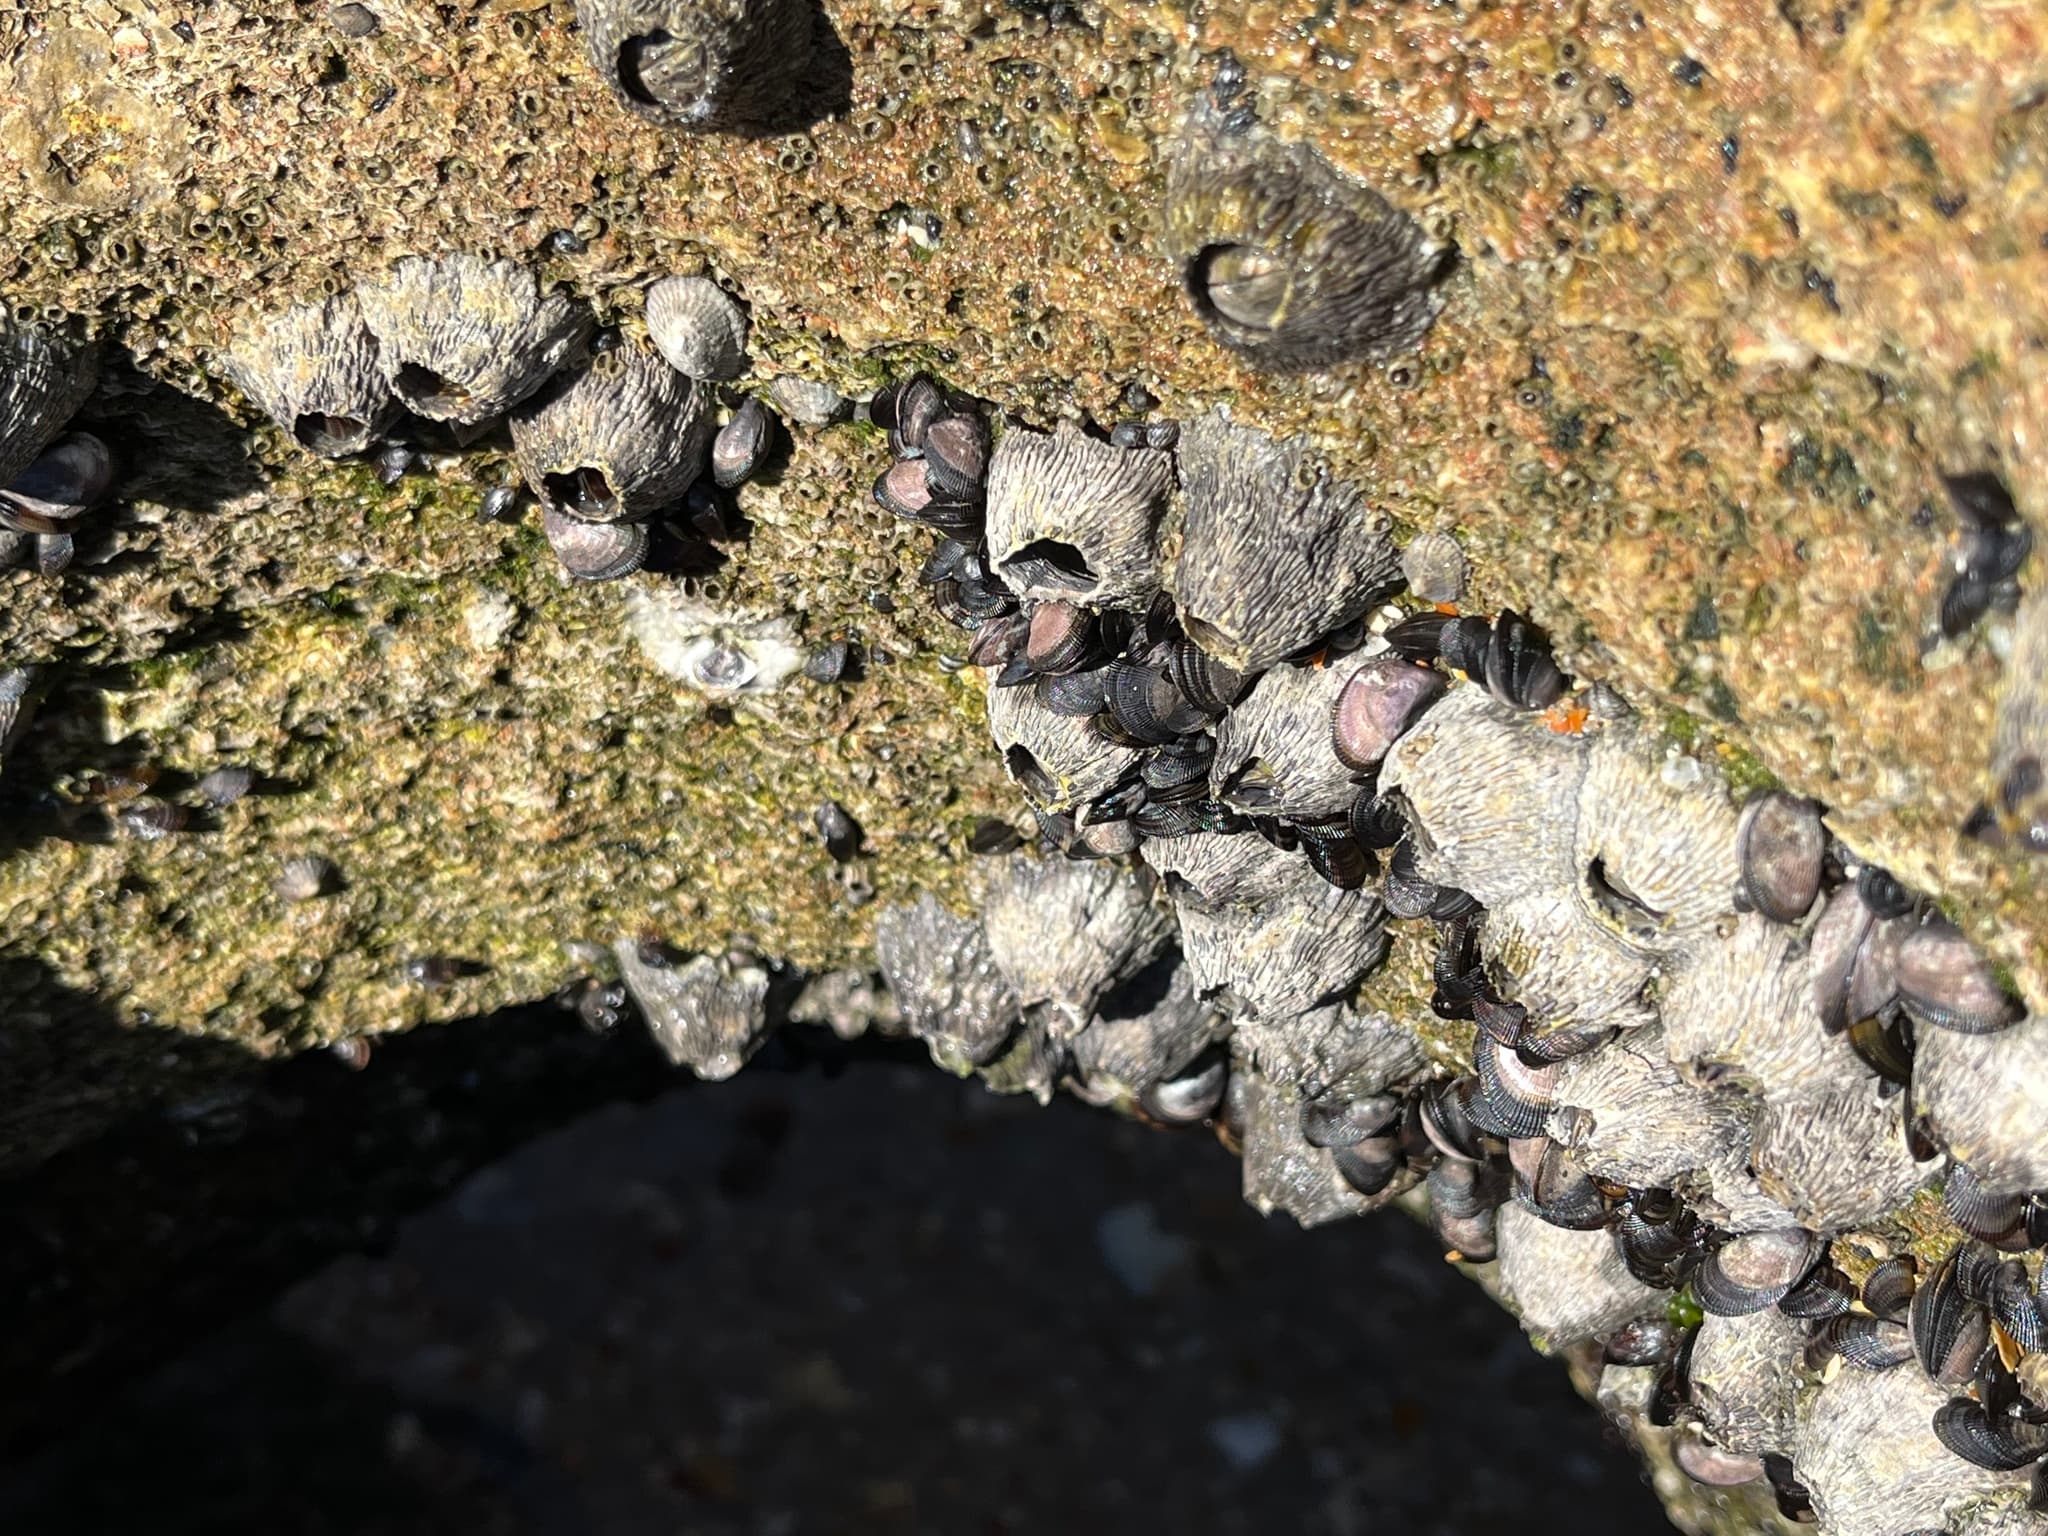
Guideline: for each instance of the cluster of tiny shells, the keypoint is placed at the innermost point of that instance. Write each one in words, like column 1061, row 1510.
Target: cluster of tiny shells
column 612, row 432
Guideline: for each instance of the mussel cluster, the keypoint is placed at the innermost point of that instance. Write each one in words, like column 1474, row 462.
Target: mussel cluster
column 49, row 479
column 613, row 434
column 1709, row 1045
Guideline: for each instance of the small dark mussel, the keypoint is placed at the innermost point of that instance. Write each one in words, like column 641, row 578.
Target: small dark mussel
column 595, row 551
column 1672, row 1395
column 1075, row 694
column 1950, row 1329
column 1756, row 1270
column 1782, row 846
column 1192, row 1097
column 1557, row 1188
column 1888, row 1288
column 1369, row 1166
column 1205, row 682
column 1462, row 1198
column 1712, row 1467
column 1868, row 1343
column 742, row 444
column 1443, row 1111
column 1377, row 706
column 840, row 832
column 2005, row 1444
column 433, row 972
column 1943, row 981
column 836, row 662
column 151, row 820
column 1504, row 1022
column 1335, row 854
column 1418, row 638
column 1827, row 1292
column 2000, row 1220
column 1519, row 668
column 992, row 836
column 224, row 786
column 1062, row 638
column 1334, row 1121
column 956, row 456
column 1377, row 820
column 1514, row 1098
column 1179, row 771
column 1657, row 1250
column 945, row 561
column 1794, row 1502
column 1146, row 705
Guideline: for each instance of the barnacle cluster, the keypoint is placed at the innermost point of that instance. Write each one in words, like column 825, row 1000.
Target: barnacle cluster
column 614, row 434
column 1711, row 1052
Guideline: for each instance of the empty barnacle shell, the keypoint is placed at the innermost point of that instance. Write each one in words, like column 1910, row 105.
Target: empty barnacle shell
column 1739, row 1383
column 1943, row 981
column 1071, row 517
column 1289, row 262
column 956, row 456
column 45, row 377
column 710, row 66
column 953, row 995
column 615, row 441
column 742, row 443
column 698, row 327
column 1065, row 932
column 595, row 551
column 1782, row 846
column 67, row 480
column 463, row 339
column 1754, row 1271
column 709, row 1013
column 224, row 786
column 809, row 402
column 1276, row 551
column 313, row 370
column 1985, row 1098
column 1435, row 567
column 304, row 877
column 1377, row 705
column 1654, row 852
column 1148, row 1031
column 1060, row 761
column 1273, row 749
column 1565, row 1284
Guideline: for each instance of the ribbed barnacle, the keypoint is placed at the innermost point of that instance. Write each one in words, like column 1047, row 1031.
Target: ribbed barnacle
column 1060, row 761
column 1568, row 971
column 1654, row 848
column 1276, row 551
column 708, row 1013
column 44, row 379
column 615, row 440
column 1283, row 1170
column 1985, row 1098
column 723, row 66
column 1334, row 1049
column 1064, row 932
column 463, row 339
column 313, row 370
column 1289, row 262
column 1435, row 567
column 1146, row 1031
column 1273, row 754
column 1071, row 517
column 1837, row 1156
column 1212, row 870
column 698, row 327
column 1742, row 1384
column 1742, row 1009
column 1495, row 793
column 940, row 971
column 1867, row 1454
column 1307, row 945
column 1565, row 1285
column 1630, row 1118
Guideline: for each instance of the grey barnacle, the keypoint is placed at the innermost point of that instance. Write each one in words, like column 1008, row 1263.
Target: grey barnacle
column 1985, row 1098
column 1066, row 931
column 1837, row 1156
column 1566, row 969
column 463, row 339
column 953, row 996
column 44, row 379
column 1742, row 1384
column 1565, row 1285
column 1283, row 1170
column 1306, row 946
column 1071, row 517
column 1060, row 761
column 1144, row 1035
column 1345, row 1052
column 1212, row 870
column 1273, row 754
column 709, row 1014
column 705, row 65
column 313, row 370
column 1287, row 261
column 1276, row 551
column 615, row 441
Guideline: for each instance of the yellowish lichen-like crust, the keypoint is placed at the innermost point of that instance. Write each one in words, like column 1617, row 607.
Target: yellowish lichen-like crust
column 625, row 414
column 463, row 339
column 1072, row 518
column 1494, row 793
column 1276, row 548
column 1986, row 1100
column 313, row 370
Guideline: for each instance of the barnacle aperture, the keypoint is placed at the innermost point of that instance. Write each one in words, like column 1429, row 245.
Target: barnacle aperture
column 704, row 65
column 1071, row 517
column 463, row 339
column 1289, row 262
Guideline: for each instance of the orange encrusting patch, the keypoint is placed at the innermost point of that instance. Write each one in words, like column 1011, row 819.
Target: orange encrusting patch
column 1567, row 717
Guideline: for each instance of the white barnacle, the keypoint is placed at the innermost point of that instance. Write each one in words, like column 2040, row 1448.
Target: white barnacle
column 719, row 653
